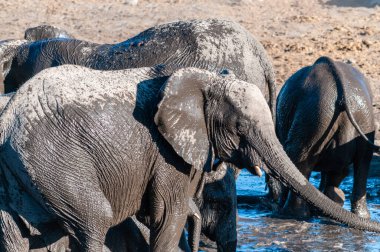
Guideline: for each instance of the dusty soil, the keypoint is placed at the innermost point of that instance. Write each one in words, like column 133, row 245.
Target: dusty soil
column 295, row 33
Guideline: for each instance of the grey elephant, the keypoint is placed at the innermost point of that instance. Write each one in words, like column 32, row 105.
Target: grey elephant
column 132, row 235
column 70, row 135
column 45, row 32
column 9, row 47
column 217, row 204
column 214, row 45
column 325, row 123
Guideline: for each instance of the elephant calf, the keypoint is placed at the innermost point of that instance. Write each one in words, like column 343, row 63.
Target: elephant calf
column 325, row 123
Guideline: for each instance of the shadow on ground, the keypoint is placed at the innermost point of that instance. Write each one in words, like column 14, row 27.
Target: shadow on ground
column 354, row 3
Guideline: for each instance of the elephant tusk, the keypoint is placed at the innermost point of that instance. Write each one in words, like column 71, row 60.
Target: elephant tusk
column 258, row 171
column 197, row 216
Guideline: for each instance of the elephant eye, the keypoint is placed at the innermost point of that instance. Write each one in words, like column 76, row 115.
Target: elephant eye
column 243, row 126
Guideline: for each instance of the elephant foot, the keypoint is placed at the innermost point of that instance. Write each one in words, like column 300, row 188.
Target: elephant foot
column 298, row 209
column 228, row 246
column 335, row 194
column 359, row 208
column 276, row 191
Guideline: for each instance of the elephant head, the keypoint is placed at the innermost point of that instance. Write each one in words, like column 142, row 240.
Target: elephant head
column 45, row 32
column 203, row 115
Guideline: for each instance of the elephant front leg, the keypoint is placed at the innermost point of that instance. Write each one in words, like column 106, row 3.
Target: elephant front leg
column 11, row 238
column 168, row 212
column 166, row 230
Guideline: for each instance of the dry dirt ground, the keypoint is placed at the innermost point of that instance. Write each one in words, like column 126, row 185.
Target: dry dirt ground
column 295, row 33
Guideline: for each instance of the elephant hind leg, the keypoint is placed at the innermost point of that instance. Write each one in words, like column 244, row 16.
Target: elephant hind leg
column 90, row 234
column 88, row 220
column 11, row 237
column 359, row 191
column 294, row 205
column 335, row 194
column 330, row 185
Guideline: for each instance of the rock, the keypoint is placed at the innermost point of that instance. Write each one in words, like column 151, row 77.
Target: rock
column 131, row 2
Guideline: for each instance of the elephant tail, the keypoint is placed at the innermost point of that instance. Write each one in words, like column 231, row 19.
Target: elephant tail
column 376, row 148
column 271, row 82
column 339, row 77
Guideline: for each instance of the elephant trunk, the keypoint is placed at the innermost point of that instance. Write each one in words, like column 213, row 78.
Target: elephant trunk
column 218, row 172
column 281, row 167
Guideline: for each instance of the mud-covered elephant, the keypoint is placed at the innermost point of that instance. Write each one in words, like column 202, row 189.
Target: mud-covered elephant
column 325, row 122
column 216, row 203
column 214, row 45
column 87, row 149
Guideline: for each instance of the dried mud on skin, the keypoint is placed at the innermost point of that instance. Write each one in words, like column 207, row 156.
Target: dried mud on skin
column 295, row 33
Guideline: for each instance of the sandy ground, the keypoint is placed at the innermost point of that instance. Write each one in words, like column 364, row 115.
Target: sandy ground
column 295, row 33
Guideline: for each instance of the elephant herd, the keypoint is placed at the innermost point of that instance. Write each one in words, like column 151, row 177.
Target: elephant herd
column 119, row 147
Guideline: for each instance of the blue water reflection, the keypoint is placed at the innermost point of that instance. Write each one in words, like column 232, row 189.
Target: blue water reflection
column 259, row 230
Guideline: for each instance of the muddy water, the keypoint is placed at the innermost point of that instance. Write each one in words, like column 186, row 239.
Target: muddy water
column 260, row 230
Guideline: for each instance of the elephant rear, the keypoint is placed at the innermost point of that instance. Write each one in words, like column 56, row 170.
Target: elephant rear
column 311, row 106
column 325, row 123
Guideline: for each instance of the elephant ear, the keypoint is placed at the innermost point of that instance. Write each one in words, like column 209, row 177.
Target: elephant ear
column 181, row 118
